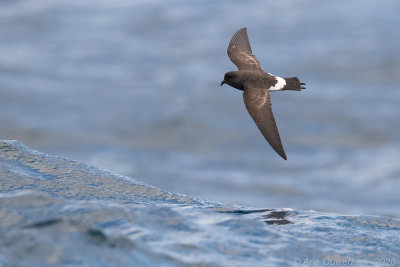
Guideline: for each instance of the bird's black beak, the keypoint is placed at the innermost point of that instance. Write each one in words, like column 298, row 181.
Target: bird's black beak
column 222, row 82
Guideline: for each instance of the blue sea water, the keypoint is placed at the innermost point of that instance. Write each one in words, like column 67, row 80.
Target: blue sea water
column 133, row 87
column 56, row 211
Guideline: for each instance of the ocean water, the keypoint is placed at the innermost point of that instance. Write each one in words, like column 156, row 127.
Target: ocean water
column 56, row 211
column 132, row 87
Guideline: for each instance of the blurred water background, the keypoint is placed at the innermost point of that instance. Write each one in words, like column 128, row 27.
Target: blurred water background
column 133, row 87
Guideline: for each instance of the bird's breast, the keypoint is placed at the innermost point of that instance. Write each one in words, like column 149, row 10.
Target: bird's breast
column 238, row 86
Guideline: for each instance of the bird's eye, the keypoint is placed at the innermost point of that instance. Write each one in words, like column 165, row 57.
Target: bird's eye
column 229, row 76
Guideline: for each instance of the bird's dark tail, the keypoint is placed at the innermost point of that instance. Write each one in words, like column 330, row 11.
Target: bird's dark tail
column 294, row 84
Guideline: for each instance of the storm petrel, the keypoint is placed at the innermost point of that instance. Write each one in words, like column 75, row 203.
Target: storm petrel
column 256, row 85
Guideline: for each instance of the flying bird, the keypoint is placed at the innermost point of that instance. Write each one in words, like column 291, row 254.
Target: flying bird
column 256, row 85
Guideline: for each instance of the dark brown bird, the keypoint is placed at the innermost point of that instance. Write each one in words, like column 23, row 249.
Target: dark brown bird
column 256, row 85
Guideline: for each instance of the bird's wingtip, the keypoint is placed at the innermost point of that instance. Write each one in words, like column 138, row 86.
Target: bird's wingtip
column 242, row 29
column 282, row 154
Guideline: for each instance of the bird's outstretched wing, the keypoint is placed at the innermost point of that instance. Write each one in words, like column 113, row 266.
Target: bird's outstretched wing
column 239, row 51
column 258, row 104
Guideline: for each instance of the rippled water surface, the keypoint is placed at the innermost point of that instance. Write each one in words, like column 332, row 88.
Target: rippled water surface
column 59, row 211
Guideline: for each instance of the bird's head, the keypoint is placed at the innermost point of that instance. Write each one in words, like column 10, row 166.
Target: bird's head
column 232, row 78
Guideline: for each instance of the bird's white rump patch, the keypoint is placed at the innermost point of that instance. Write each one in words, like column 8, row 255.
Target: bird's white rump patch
column 280, row 83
